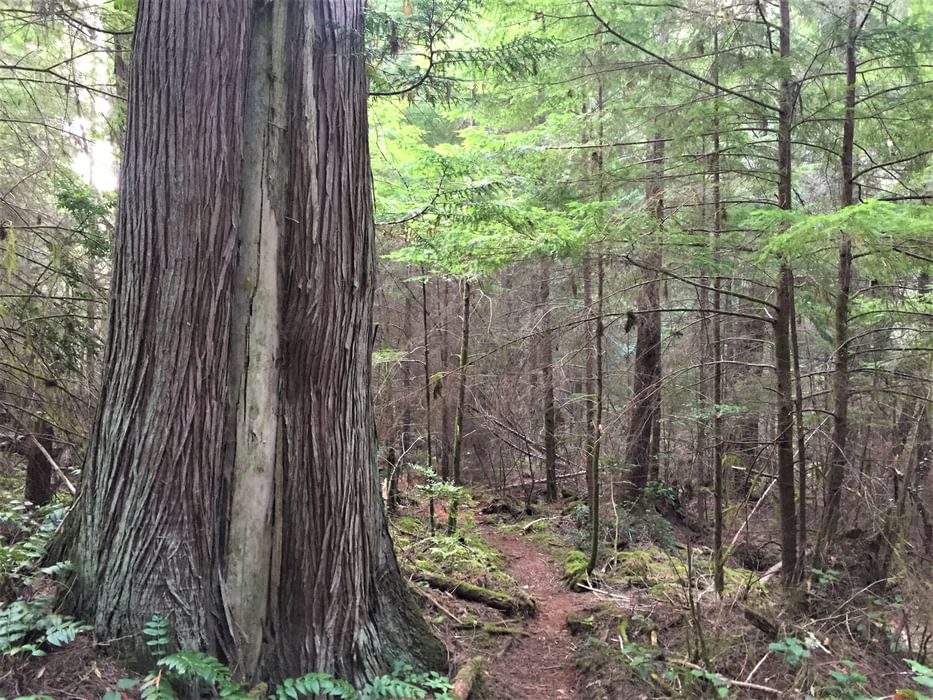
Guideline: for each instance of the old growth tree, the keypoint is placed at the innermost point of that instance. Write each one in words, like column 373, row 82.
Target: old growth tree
column 230, row 480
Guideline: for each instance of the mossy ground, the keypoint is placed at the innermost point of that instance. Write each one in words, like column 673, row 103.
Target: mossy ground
column 656, row 622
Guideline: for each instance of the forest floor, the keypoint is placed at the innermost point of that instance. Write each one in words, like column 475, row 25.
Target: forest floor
column 505, row 581
column 547, row 639
column 646, row 623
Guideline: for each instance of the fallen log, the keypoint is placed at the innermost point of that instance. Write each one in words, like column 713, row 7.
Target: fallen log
column 490, row 628
column 760, row 622
column 466, row 678
column 521, row 604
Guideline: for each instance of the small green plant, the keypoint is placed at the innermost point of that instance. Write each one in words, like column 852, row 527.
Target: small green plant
column 923, row 675
column 28, row 626
column 794, row 650
column 156, row 631
column 580, row 515
column 637, row 523
column 650, row 665
column 657, row 493
column 824, row 577
column 436, row 490
column 19, row 559
column 846, row 683
column 720, row 684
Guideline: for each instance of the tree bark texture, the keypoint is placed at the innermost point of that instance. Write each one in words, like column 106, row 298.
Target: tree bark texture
column 547, row 382
column 462, row 382
column 782, row 326
column 231, row 477
column 641, row 452
column 838, row 448
column 800, row 427
column 785, row 426
column 38, row 490
column 718, row 211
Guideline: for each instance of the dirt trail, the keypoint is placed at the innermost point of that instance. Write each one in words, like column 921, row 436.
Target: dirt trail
column 539, row 665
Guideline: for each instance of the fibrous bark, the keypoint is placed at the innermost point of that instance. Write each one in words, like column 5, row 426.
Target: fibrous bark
column 231, row 477
column 644, row 438
column 461, row 387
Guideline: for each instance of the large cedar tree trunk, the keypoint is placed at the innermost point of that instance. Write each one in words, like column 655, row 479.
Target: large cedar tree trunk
column 231, row 479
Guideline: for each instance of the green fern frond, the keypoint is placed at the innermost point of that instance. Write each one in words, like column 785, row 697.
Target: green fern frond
column 156, row 687
column 315, row 684
column 196, row 665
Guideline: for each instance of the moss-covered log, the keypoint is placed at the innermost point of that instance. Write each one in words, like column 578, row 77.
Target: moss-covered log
column 490, row 628
column 520, row 604
column 466, row 678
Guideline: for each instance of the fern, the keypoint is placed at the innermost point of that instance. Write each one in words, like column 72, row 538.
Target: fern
column 195, row 667
column 156, row 630
column 61, row 630
column 315, row 684
column 26, row 626
column 198, row 666
column 18, row 560
column 385, row 687
column 155, row 687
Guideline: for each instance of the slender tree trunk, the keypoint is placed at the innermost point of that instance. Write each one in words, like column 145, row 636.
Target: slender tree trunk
column 446, row 432
column 408, row 435
column 782, row 325
column 657, row 199
column 547, row 382
column 231, row 479
column 38, row 490
column 598, row 420
column 393, row 497
column 461, row 392
column 801, row 439
column 704, row 397
column 595, row 357
column 785, row 426
column 644, row 422
column 589, row 443
column 718, row 559
column 426, row 337
column 718, row 497
column 838, row 449
column 921, row 487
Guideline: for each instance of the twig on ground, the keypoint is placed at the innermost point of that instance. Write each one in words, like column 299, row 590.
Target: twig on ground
column 740, row 684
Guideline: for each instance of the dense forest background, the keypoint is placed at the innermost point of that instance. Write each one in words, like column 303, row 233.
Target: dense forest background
column 666, row 265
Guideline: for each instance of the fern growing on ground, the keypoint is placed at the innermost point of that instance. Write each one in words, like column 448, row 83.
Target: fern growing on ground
column 204, row 672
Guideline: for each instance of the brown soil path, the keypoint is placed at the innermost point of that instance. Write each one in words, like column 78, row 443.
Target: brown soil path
column 538, row 666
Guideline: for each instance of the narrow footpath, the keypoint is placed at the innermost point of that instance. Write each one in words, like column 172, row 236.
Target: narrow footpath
column 538, row 665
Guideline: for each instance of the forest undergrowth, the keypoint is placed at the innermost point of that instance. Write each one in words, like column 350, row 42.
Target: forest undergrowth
column 505, row 585
column 647, row 622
